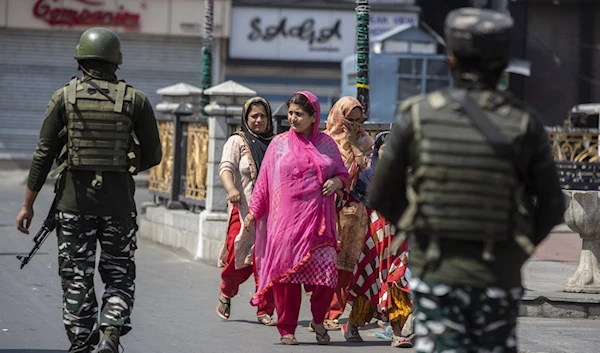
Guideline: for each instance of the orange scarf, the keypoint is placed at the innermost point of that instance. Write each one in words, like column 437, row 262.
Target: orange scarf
column 337, row 124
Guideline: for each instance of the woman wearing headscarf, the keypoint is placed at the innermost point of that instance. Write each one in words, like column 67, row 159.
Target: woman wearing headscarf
column 379, row 286
column 241, row 162
column 293, row 212
column 344, row 125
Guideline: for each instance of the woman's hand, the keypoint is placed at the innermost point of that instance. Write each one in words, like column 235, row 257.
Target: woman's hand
column 234, row 196
column 352, row 133
column 331, row 186
column 249, row 222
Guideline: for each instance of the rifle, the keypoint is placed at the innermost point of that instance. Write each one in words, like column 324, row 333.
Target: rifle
column 48, row 226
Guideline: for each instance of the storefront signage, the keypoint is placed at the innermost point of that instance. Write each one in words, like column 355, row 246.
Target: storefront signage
column 302, row 35
column 55, row 14
column 304, row 31
column 381, row 23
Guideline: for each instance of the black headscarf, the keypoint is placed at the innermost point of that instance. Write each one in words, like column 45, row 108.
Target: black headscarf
column 257, row 143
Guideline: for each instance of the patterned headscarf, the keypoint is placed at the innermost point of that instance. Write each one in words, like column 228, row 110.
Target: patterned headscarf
column 257, row 143
column 335, row 128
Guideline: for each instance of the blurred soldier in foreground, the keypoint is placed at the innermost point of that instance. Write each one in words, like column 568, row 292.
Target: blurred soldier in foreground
column 469, row 174
column 101, row 131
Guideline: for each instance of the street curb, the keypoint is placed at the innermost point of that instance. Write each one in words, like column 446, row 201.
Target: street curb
column 560, row 305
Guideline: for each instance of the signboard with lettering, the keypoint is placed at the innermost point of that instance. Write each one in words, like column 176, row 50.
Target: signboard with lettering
column 92, row 13
column 167, row 17
column 380, row 23
column 301, row 35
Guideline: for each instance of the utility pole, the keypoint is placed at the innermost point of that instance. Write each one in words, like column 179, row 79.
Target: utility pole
column 362, row 55
column 207, row 38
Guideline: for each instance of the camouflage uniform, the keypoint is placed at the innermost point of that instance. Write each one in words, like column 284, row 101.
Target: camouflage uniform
column 469, row 209
column 101, row 131
column 465, row 319
column 77, row 237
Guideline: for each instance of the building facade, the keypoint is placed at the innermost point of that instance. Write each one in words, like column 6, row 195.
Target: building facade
column 277, row 48
column 161, row 45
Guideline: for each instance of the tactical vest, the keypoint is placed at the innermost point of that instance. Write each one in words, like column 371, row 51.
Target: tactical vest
column 99, row 128
column 459, row 187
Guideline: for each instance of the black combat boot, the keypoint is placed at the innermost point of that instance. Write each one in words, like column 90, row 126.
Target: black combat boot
column 110, row 341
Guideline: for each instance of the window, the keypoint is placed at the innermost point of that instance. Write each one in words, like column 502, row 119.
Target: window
column 351, row 79
column 420, row 74
column 408, row 87
column 410, row 66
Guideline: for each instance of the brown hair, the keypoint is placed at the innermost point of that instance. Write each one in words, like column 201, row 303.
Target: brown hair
column 302, row 101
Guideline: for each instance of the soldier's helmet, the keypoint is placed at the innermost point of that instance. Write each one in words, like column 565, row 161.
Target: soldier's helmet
column 478, row 33
column 99, row 44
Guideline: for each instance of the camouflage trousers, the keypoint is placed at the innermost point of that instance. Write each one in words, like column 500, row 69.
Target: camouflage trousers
column 77, row 239
column 464, row 319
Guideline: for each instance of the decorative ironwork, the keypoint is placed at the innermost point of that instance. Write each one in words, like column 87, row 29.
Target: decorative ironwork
column 574, row 145
column 161, row 175
column 197, row 161
column 576, row 154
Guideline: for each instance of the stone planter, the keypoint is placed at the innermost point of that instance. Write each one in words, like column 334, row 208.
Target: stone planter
column 583, row 217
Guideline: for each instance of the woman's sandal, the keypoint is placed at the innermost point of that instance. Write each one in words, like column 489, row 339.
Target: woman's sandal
column 266, row 320
column 289, row 340
column 224, row 307
column 351, row 335
column 322, row 338
column 401, row 342
column 331, row 325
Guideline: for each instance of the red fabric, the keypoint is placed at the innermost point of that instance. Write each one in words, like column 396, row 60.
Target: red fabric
column 232, row 278
column 288, row 299
column 338, row 302
column 378, row 269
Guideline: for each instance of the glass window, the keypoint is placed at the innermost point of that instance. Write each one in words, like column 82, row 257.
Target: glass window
column 410, row 66
column 435, row 84
column 351, row 79
column 408, row 87
column 437, row 68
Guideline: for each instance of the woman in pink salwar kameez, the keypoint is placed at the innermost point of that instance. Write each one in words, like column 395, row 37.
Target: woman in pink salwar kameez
column 294, row 212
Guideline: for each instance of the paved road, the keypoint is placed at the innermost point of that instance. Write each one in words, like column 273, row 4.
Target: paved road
column 174, row 311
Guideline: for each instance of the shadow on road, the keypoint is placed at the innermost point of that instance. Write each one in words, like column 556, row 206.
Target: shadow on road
column 20, row 253
column 31, row 351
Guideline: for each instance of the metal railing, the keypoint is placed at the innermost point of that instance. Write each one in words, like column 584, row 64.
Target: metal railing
column 575, row 151
column 179, row 181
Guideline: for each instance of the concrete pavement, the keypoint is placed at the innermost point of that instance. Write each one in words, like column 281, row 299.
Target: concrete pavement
column 175, row 307
column 176, row 299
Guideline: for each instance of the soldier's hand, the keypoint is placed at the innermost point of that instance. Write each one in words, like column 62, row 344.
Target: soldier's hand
column 24, row 219
column 248, row 221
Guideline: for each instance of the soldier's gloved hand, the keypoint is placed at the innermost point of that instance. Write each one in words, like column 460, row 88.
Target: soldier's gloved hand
column 24, row 219
column 249, row 221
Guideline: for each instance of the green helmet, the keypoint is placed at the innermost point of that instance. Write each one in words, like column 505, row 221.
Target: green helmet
column 100, row 44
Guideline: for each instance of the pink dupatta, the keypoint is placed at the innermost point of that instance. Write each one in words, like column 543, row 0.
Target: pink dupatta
column 292, row 217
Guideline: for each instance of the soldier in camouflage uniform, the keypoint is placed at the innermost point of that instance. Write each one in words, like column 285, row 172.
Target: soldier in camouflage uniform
column 474, row 215
column 101, row 131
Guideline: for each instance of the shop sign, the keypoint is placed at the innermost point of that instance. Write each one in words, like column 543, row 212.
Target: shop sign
column 55, row 14
column 301, row 35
